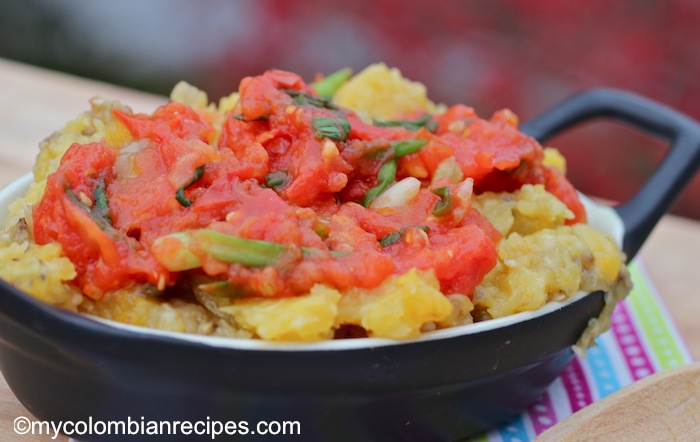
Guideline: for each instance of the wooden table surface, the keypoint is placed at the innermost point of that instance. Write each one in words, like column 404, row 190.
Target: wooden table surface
column 36, row 102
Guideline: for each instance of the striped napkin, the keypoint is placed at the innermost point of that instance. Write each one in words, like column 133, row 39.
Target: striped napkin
column 642, row 340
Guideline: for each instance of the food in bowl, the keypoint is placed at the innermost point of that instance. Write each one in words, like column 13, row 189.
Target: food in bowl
column 352, row 206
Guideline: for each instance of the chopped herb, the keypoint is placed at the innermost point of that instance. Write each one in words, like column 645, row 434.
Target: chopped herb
column 240, row 117
column 302, row 99
column 329, row 85
column 391, row 238
column 103, row 223
column 232, row 249
column 180, row 195
column 101, row 206
column 397, row 149
column 276, row 179
column 185, row 248
column 386, row 176
column 424, row 121
column 388, row 172
column 333, row 128
column 394, row 237
column 406, row 147
column 182, row 199
column 444, row 206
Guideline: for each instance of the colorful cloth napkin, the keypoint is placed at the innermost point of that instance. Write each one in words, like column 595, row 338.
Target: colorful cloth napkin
column 642, row 340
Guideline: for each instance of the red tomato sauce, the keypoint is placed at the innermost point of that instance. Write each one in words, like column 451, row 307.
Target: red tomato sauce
column 287, row 170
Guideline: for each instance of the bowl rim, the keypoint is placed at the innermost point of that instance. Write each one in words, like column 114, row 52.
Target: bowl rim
column 600, row 216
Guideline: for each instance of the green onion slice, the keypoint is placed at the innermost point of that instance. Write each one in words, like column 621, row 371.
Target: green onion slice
column 387, row 173
column 302, row 99
column 424, row 121
column 391, row 238
column 180, row 195
column 386, row 176
column 182, row 250
column 329, row 85
column 397, row 149
column 275, row 179
column 444, row 206
column 394, row 237
column 102, row 221
column 240, row 117
column 333, row 128
column 406, row 147
column 101, row 207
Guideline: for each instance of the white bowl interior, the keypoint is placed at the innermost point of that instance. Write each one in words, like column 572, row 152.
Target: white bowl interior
column 600, row 216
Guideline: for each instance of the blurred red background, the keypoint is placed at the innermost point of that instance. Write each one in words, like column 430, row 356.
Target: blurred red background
column 526, row 55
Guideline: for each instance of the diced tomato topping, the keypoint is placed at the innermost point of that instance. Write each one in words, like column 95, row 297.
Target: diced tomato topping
column 172, row 118
column 287, row 167
column 105, row 258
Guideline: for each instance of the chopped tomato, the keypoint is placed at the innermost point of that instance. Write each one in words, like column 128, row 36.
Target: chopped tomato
column 172, row 118
column 449, row 253
column 163, row 168
column 105, row 258
column 241, row 147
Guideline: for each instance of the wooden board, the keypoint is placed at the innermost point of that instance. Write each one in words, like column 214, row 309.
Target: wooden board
column 664, row 406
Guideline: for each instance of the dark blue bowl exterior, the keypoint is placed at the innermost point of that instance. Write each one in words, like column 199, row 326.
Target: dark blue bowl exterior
column 63, row 366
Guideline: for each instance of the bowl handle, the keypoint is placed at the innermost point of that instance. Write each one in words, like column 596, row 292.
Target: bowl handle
column 641, row 212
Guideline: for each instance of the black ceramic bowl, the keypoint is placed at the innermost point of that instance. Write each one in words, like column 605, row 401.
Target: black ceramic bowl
column 446, row 385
